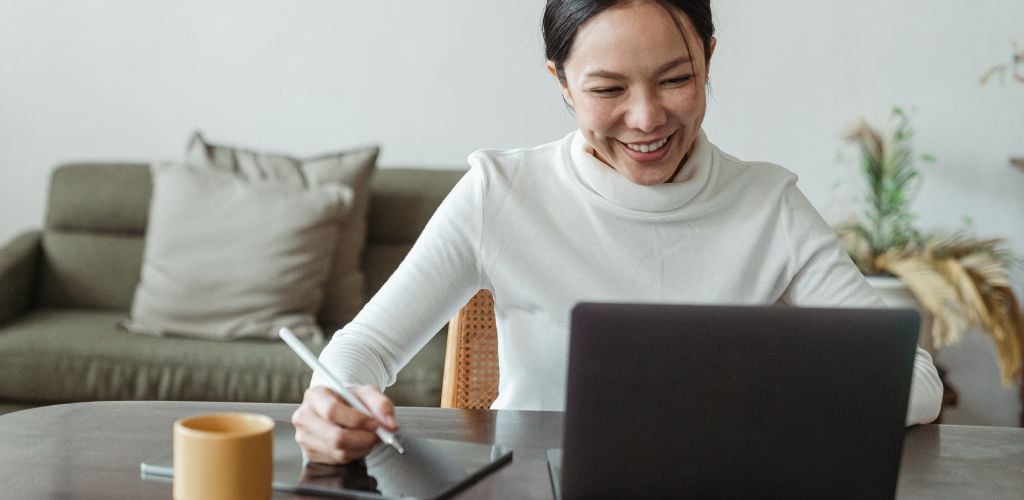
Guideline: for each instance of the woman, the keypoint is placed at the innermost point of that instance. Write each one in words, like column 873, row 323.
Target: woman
column 636, row 205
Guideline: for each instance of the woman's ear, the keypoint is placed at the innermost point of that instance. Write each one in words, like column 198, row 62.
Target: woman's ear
column 562, row 85
column 552, row 69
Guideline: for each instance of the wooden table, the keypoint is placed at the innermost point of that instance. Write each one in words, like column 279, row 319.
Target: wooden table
column 93, row 450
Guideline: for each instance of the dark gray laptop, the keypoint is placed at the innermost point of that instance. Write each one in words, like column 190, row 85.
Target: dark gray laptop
column 735, row 402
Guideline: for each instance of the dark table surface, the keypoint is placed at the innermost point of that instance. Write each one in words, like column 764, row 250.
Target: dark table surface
column 93, row 450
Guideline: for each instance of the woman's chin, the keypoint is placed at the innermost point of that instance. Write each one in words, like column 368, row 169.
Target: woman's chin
column 647, row 176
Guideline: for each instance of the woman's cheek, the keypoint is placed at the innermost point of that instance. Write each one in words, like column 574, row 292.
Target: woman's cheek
column 600, row 116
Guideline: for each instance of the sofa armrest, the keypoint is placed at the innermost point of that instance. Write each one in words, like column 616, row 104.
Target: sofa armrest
column 19, row 259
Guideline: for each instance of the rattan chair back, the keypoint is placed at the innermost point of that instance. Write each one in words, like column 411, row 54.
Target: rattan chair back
column 471, row 357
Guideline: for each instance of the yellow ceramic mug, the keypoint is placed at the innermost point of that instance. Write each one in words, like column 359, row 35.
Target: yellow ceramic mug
column 223, row 456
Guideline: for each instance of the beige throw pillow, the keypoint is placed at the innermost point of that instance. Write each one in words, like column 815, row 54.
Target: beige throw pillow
column 229, row 257
column 343, row 292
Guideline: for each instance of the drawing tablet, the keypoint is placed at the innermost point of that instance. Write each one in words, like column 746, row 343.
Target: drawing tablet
column 429, row 468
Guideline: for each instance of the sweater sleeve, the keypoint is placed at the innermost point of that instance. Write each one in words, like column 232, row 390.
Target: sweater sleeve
column 823, row 275
column 437, row 277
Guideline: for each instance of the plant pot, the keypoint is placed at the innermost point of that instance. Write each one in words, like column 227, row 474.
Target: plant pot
column 897, row 294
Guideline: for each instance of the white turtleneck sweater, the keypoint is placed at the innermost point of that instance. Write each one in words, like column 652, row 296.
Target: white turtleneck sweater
column 548, row 227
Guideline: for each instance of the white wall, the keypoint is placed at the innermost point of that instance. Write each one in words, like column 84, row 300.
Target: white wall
column 433, row 80
column 118, row 79
column 792, row 74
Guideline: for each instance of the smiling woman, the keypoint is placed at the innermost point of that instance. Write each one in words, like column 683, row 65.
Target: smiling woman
column 636, row 79
column 635, row 206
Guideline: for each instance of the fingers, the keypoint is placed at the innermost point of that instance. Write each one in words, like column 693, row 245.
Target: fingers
column 332, row 408
column 382, row 409
column 330, row 431
column 324, row 442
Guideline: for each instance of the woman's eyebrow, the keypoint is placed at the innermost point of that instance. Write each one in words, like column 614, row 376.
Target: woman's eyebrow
column 601, row 73
column 679, row 61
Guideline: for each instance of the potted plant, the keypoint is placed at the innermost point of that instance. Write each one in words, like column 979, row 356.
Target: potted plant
column 960, row 282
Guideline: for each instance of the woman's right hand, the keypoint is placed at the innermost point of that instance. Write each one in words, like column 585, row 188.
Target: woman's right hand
column 329, row 431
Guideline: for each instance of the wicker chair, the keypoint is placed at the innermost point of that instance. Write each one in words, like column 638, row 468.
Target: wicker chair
column 471, row 356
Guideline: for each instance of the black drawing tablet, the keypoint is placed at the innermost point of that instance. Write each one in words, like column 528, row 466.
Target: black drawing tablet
column 429, row 468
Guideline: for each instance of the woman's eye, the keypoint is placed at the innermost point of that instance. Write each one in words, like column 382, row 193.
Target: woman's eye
column 678, row 80
column 606, row 91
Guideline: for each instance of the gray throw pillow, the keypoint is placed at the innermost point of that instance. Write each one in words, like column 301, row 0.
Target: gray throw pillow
column 343, row 291
column 229, row 256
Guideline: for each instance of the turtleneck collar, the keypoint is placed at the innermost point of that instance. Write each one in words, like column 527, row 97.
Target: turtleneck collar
column 606, row 182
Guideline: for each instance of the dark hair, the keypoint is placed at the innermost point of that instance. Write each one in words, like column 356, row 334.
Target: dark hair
column 563, row 18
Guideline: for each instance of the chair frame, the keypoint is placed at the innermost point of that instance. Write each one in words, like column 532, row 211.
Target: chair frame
column 470, row 378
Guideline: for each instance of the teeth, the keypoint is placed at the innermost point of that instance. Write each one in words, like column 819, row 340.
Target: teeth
column 647, row 148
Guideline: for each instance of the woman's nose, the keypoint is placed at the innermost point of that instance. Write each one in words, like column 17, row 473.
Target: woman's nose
column 646, row 113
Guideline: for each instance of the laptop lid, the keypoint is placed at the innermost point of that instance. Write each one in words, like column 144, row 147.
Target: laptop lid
column 736, row 401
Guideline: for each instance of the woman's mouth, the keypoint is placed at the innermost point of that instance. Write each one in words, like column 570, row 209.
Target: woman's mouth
column 647, row 152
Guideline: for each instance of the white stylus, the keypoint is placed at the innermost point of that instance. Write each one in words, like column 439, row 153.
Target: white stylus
column 307, row 356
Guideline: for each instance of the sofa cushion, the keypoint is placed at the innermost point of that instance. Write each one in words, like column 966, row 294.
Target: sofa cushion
column 65, row 355
column 404, row 199
column 343, row 295
column 68, row 355
column 230, row 258
column 86, row 269
column 92, row 244
column 100, row 197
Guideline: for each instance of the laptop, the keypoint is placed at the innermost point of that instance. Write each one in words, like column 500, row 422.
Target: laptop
column 734, row 402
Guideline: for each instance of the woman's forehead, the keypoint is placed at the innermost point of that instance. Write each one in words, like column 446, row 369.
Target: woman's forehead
column 633, row 36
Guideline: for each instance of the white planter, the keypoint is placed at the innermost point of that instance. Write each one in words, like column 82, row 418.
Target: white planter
column 894, row 292
column 897, row 294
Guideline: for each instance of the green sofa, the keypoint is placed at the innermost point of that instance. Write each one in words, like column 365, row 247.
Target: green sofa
column 64, row 288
